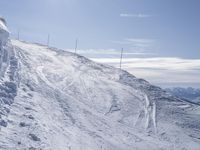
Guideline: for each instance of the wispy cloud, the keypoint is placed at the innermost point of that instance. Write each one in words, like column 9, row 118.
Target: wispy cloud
column 138, row 44
column 136, row 41
column 126, row 15
column 110, row 53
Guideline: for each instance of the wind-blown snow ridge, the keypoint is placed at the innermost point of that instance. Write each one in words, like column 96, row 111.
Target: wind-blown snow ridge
column 4, row 33
column 8, row 73
column 63, row 101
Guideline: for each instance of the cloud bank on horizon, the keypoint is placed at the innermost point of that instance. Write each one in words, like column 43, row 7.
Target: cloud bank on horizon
column 162, row 71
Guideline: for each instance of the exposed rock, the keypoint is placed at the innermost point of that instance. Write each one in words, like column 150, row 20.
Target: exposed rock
column 34, row 137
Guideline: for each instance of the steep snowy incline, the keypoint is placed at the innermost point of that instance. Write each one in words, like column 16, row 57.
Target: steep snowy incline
column 4, row 33
column 62, row 101
column 8, row 73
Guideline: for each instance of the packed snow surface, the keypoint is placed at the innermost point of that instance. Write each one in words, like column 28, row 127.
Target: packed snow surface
column 56, row 100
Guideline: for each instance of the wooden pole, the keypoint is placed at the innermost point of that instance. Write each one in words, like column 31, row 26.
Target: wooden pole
column 121, row 58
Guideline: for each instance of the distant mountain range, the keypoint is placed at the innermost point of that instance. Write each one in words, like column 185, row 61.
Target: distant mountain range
column 189, row 93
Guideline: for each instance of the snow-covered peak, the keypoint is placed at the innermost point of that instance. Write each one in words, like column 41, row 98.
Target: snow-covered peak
column 4, row 33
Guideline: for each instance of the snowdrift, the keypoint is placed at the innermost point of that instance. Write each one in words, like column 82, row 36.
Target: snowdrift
column 4, row 33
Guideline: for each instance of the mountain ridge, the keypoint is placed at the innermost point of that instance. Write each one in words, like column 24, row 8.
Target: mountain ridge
column 190, row 94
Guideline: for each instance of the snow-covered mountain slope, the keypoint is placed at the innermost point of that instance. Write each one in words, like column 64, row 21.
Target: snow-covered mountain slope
column 56, row 100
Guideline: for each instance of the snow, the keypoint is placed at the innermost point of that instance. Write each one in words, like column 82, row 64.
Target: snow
column 63, row 101
column 4, row 33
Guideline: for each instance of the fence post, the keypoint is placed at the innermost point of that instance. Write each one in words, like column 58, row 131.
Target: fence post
column 76, row 45
column 48, row 40
column 18, row 33
column 121, row 58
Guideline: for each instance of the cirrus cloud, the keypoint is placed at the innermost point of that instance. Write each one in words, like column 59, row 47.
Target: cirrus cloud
column 127, row 15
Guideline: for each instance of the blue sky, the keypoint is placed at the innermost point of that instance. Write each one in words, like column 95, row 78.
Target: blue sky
column 144, row 28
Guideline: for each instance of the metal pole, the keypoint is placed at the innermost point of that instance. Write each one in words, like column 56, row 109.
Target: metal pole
column 18, row 34
column 48, row 39
column 76, row 45
column 121, row 58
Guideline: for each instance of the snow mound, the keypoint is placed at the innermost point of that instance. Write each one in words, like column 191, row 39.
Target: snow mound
column 4, row 33
column 8, row 73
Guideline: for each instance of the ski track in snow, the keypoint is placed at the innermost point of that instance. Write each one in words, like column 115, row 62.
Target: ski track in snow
column 150, row 113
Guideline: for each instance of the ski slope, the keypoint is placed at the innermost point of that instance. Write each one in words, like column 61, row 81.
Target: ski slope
column 52, row 99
